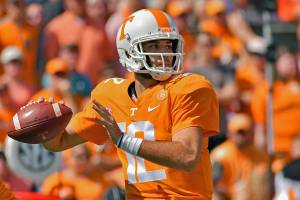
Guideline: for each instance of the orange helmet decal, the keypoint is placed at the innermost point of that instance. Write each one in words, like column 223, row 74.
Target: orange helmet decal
column 122, row 34
column 161, row 19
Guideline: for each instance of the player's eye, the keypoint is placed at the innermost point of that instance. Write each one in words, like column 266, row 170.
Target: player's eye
column 154, row 46
column 169, row 47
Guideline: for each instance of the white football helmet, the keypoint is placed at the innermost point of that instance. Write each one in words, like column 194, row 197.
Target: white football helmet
column 146, row 25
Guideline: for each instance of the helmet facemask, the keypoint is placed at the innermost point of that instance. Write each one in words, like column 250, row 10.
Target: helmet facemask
column 140, row 61
column 150, row 25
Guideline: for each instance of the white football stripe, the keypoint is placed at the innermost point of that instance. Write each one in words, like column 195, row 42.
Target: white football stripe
column 56, row 109
column 16, row 122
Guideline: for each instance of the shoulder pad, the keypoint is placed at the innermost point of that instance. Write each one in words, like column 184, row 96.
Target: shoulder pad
column 188, row 83
column 107, row 86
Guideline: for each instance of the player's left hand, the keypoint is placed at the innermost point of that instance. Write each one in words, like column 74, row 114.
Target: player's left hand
column 108, row 121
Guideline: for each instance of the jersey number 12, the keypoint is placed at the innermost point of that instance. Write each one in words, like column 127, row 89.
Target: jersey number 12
column 136, row 165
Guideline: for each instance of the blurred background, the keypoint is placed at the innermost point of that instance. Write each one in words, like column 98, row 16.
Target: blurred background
column 248, row 49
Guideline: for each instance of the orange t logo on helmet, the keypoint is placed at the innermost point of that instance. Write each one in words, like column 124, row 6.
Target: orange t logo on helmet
column 162, row 22
column 122, row 34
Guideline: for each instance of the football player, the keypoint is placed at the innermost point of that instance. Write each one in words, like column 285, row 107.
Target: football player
column 160, row 120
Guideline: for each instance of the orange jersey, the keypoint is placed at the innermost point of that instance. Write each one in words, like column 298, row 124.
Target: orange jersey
column 160, row 111
column 286, row 112
column 25, row 37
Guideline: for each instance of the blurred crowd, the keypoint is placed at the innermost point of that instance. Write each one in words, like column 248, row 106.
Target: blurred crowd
column 63, row 48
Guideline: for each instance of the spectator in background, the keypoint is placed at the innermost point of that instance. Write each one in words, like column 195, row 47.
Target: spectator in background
column 227, row 45
column 65, row 29
column 286, row 105
column 202, row 62
column 14, row 30
column 34, row 14
column 81, row 85
column 59, row 84
column 105, row 166
column 238, row 22
column 96, row 52
column 2, row 8
column 13, row 182
column 287, row 183
column 250, row 11
column 250, row 73
column 74, row 182
column 239, row 169
column 6, row 112
column 179, row 10
column 12, row 61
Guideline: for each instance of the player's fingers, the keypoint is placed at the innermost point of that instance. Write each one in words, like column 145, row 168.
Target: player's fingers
column 102, row 109
column 40, row 99
column 99, row 108
column 61, row 102
column 29, row 103
column 51, row 99
column 102, row 122
column 99, row 105
column 101, row 112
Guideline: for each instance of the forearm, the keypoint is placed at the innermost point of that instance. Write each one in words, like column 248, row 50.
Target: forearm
column 260, row 140
column 239, row 26
column 56, row 144
column 63, row 141
column 171, row 154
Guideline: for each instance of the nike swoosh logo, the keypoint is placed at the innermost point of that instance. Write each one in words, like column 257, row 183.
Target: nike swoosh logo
column 150, row 109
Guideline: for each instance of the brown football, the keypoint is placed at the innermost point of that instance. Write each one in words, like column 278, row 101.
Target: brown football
column 39, row 122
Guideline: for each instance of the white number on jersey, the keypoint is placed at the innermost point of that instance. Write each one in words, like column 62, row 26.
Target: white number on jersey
column 115, row 80
column 136, row 165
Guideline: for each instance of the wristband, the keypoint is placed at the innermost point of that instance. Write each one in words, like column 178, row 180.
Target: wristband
column 120, row 140
column 130, row 144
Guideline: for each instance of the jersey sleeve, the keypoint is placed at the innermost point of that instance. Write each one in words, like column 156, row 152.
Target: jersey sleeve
column 195, row 104
column 83, row 123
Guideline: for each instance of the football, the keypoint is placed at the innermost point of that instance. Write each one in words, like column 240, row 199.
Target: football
column 39, row 122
